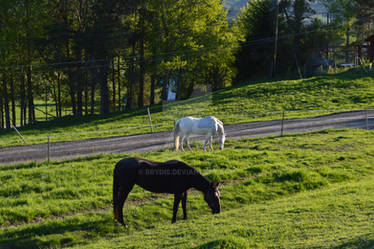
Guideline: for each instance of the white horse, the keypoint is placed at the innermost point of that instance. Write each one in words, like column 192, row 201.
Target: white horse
column 208, row 126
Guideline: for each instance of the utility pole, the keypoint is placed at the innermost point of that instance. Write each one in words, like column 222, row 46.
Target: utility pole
column 294, row 45
column 276, row 11
column 328, row 26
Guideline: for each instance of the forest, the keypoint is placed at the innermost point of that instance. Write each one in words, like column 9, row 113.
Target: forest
column 95, row 56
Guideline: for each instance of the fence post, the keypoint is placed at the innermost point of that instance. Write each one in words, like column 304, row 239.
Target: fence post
column 48, row 143
column 149, row 119
column 18, row 133
column 282, row 126
column 366, row 120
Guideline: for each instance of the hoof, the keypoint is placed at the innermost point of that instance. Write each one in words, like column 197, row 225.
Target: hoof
column 124, row 224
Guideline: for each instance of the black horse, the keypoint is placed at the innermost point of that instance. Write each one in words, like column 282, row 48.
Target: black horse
column 173, row 177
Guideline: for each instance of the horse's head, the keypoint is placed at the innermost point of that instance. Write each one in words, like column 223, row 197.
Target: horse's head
column 212, row 198
column 222, row 139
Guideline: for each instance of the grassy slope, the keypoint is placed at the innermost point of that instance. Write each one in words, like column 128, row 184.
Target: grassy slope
column 349, row 90
column 259, row 204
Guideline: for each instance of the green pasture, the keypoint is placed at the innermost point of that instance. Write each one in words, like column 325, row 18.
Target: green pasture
column 312, row 190
column 336, row 217
column 244, row 103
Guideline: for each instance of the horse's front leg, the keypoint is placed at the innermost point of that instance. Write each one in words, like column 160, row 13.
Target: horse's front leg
column 211, row 143
column 188, row 142
column 177, row 199
column 182, row 141
column 184, row 205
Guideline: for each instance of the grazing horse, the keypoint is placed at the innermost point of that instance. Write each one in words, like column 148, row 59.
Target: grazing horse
column 174, row 177
column 208, row 125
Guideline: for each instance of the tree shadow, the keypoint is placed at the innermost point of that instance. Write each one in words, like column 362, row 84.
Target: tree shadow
column 55, row 234
column 362, row 242
column 71, row 121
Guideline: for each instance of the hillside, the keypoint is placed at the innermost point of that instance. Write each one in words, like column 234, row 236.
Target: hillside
column 244, row 103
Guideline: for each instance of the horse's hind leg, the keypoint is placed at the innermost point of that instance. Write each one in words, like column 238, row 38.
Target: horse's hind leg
column 211, row 143
column 182, row 142
column 188, row 142
column 119, row 200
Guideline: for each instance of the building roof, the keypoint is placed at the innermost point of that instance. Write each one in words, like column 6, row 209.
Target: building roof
column 370, row 38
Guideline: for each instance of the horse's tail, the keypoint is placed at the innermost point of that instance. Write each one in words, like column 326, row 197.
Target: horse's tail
column 221, row 131
column 176, row 135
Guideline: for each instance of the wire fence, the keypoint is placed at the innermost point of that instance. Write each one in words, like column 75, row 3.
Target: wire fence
column 142, row 139
column 168, row 123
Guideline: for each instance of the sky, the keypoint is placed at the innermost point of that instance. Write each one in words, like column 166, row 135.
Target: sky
column 235, row 5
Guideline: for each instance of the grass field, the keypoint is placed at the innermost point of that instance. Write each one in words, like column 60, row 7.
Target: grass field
column 348, row 90
column 311, row 190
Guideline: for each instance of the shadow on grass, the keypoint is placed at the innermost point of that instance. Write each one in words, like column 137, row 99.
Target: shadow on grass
column 55, row 234
column 223, row 243
column 62, row 163
column 71, row 121
column 363, row 242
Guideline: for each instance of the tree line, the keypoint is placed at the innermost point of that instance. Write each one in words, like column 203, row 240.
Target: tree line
column 124, row 54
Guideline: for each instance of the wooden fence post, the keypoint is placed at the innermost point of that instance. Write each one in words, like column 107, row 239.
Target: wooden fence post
column 149, row 119
column 282, row 126
column 48, row 149
column 18, row 133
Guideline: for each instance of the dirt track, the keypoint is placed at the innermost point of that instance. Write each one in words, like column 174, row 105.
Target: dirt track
column 160, row 140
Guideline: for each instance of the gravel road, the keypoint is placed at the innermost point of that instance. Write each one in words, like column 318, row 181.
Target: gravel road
column 160, row 140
